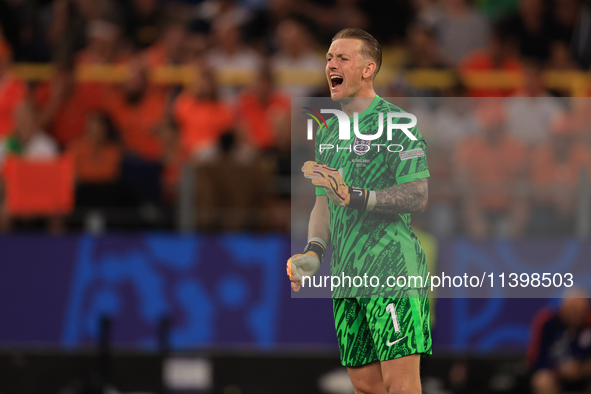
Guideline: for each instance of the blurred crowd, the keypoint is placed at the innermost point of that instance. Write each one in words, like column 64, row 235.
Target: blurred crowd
column 131, row 141
column 560, row 346
column 506, row 167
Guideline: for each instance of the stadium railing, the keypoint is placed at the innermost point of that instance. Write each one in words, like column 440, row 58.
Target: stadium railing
column 577, row 83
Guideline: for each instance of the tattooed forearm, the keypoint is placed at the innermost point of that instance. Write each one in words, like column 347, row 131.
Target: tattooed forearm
column 408, row 197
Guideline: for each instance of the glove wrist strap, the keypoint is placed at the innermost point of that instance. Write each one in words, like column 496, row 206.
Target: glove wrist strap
column 317, row 246
column 359, row 198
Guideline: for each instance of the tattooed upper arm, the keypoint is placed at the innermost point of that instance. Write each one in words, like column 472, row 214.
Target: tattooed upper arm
column 410, row 197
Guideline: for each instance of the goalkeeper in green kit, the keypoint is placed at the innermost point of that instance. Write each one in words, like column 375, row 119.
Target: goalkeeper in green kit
column 365, row 192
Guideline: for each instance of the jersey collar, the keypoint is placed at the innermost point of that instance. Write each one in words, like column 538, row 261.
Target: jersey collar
column 369, row 109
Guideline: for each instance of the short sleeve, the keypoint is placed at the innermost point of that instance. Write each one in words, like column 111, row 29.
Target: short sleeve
column 410, row 164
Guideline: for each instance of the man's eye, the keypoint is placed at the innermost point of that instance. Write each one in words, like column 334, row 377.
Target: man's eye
column 329, row 59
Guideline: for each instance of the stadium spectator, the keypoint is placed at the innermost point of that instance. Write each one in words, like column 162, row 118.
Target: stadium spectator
column 12, row 90
column 65, row 104
column 200, row 115
column 174, row 157
column 105, row 44
column 332, row 17
column 560, row 347
column 296, row 59
column 229, row 10
column 530, row 110
column 565, row 14
column 500, row 55
column 450, row 123
column 489, row 168
column 12, row 26
column 531, row 28
column 580, row 108
column 423, row 51
column 555, row 173
column 389, row 20
column 347, row 14
column 27, row 139
column 428, row 11
column 453, row 121
column 66, row 23
column 197, row 40
column 460, row 30
column 496, row 9
column 168, row 50
column 229, row 49
column 23, row 31
column 137, row 108
column 533, row 79
column 260, row 30
column 219, row 207
column 97, row 161
column 142, row 22
column 561, row 58
column 581, row 35
column 564, row 18
column 258, row 108
column 230, row 54
column 441, row 213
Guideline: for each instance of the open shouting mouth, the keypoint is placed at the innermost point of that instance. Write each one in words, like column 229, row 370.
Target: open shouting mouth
column 336, row 81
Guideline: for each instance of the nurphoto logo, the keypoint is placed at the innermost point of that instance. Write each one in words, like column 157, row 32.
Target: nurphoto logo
column 363, row 142
column 345, row 127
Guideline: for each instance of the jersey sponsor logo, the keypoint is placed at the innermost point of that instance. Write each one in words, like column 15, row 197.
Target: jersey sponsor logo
column 396, row 341
column 411, row 154
column 361, row 147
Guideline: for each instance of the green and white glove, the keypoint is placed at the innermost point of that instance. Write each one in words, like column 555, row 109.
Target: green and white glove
column 307, row 263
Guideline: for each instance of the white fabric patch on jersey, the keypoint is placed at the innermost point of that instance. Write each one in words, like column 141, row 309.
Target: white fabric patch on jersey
column 411, row 154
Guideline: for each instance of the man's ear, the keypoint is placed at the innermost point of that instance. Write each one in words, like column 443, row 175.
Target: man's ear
column 369, row 70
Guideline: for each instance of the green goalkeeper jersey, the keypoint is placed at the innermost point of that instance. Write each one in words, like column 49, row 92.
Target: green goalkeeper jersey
column 372, row 243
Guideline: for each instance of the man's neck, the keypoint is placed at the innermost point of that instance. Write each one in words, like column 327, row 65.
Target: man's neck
column 359, row 103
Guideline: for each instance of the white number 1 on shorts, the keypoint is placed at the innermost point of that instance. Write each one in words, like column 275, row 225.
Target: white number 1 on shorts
column 392, row 309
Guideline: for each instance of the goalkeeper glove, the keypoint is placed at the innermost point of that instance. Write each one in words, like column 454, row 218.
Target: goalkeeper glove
column 336, row 189
column 306, row 264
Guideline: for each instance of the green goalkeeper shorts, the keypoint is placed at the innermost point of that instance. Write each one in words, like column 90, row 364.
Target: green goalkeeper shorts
column 370, row 329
